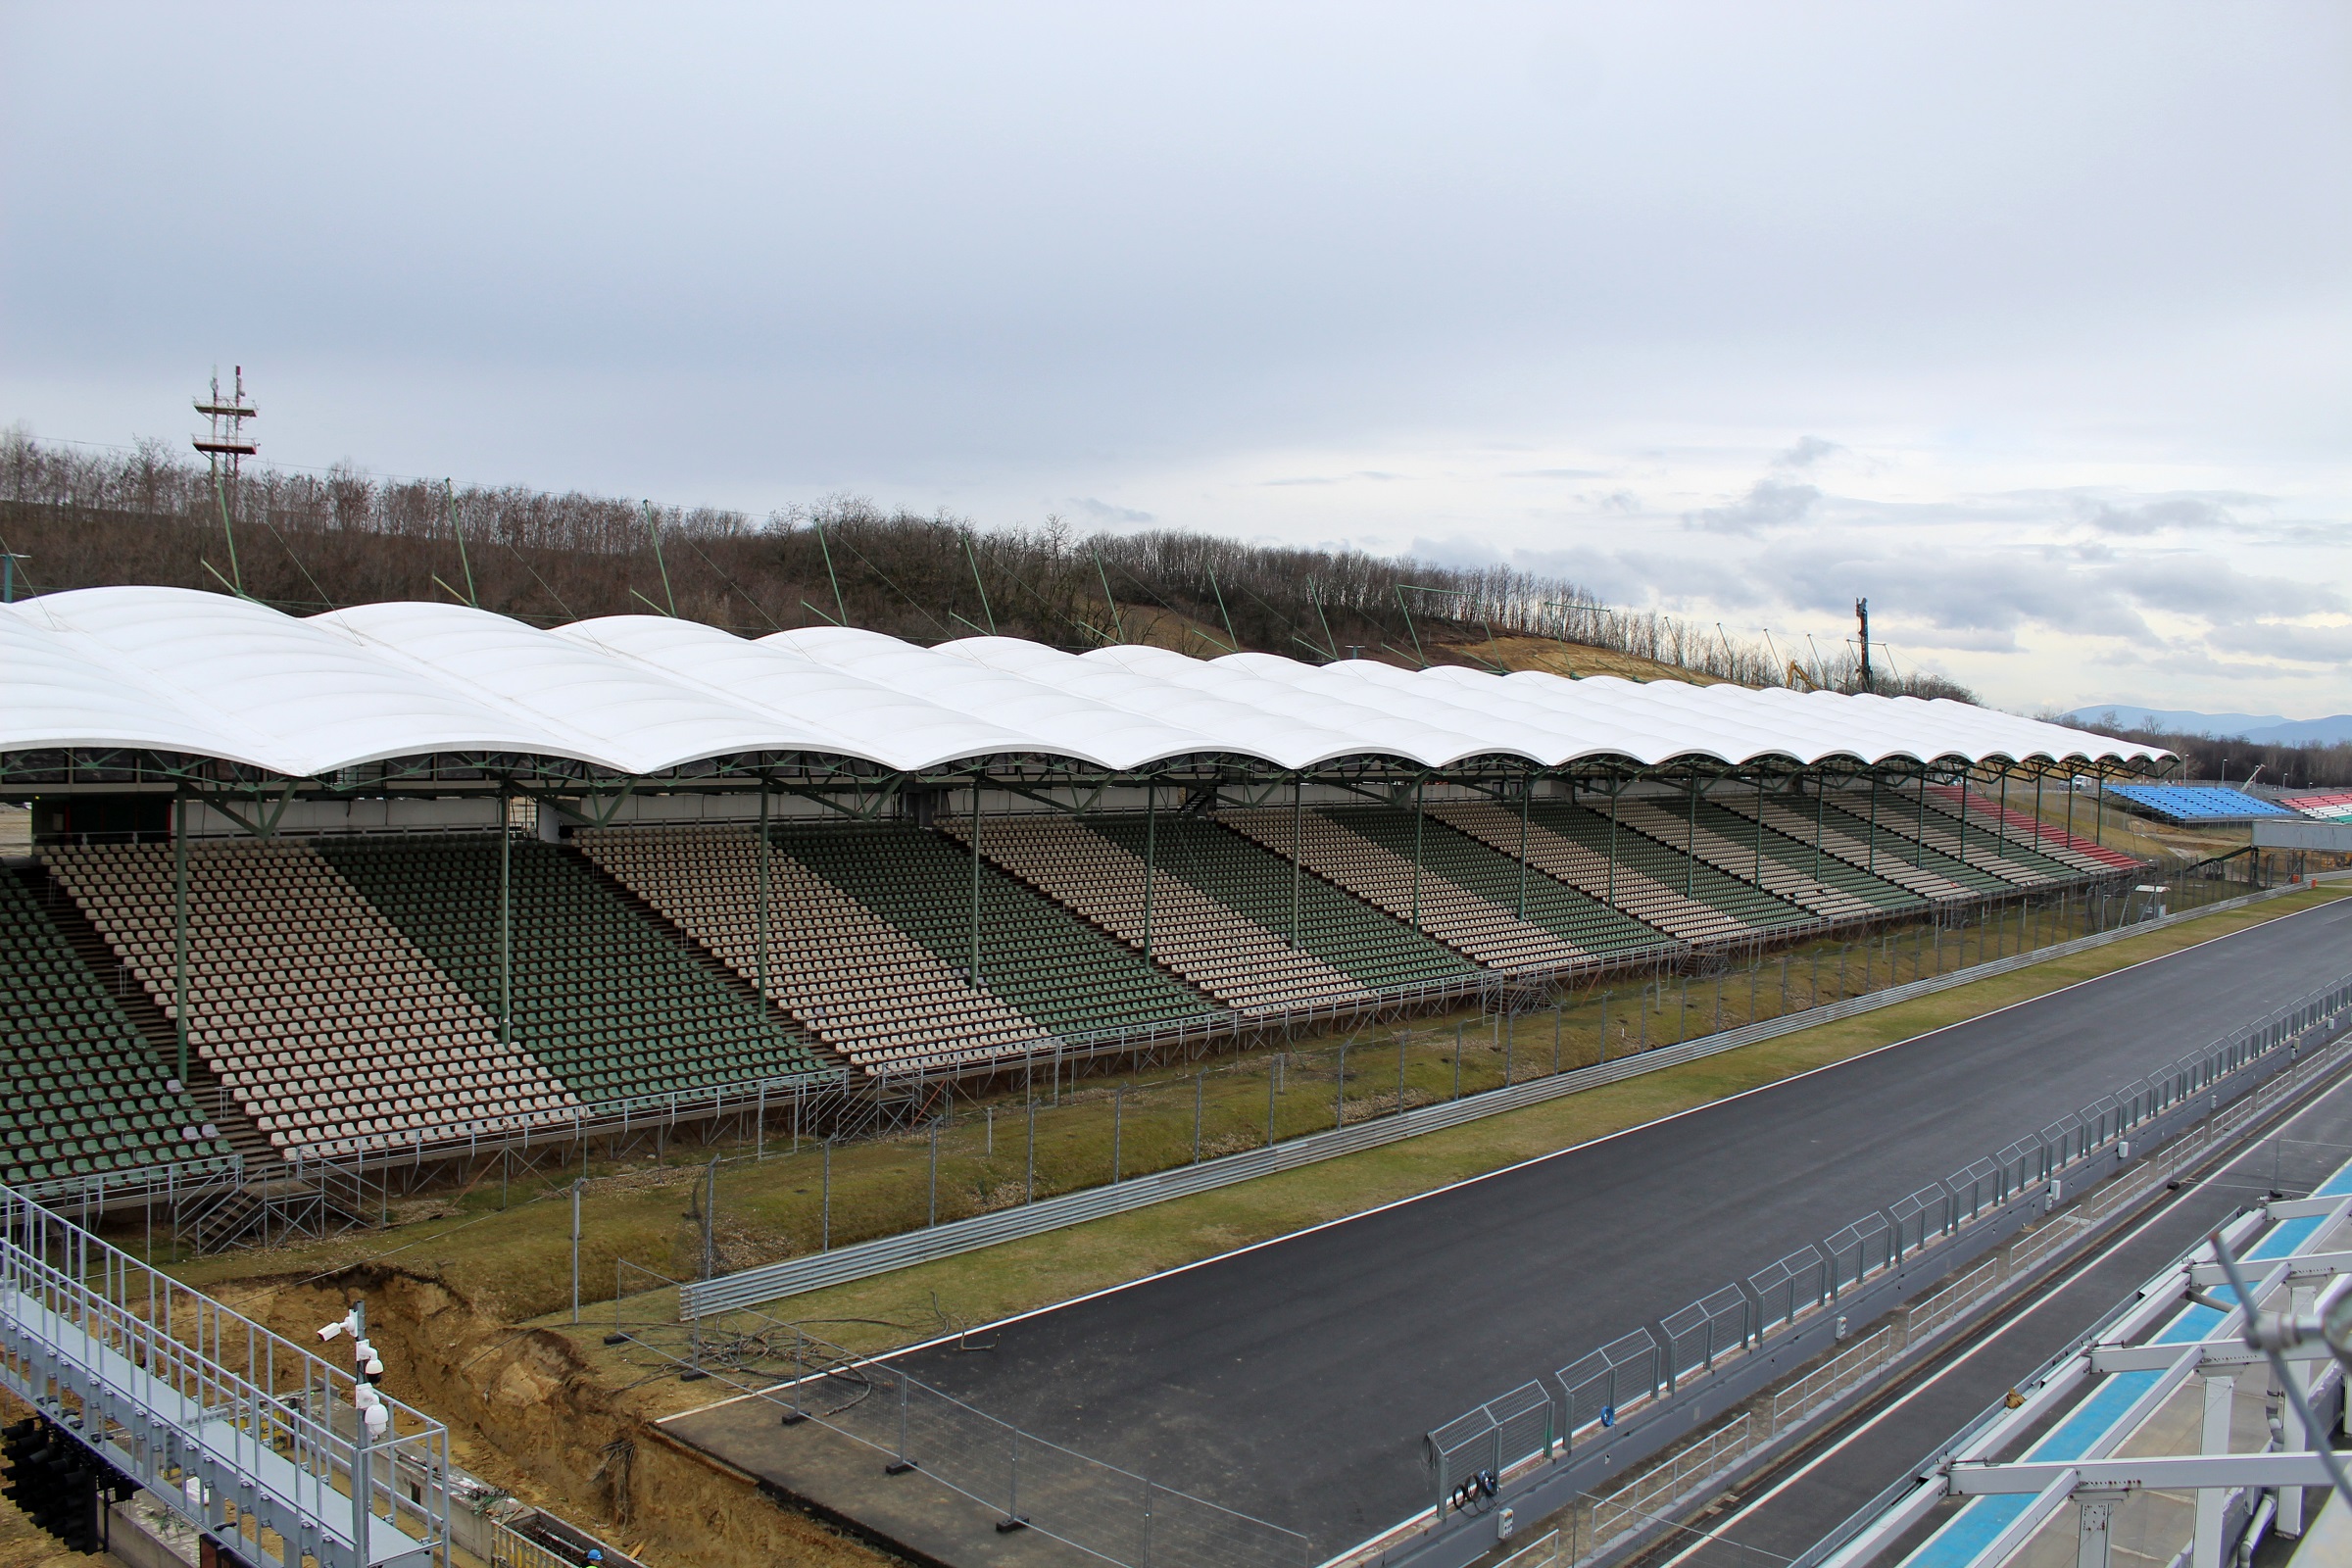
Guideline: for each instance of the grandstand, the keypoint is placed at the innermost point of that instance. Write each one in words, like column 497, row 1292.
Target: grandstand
column 2195, row 805
column 2332, row 807
column 415, row 880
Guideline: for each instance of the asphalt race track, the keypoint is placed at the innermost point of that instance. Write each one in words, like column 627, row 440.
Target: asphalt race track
column 1294, row 1381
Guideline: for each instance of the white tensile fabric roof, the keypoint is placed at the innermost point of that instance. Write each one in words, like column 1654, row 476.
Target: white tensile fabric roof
column 172, row 669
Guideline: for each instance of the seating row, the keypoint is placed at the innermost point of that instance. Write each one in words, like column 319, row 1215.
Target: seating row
column 1236, row 960
column 331, row 1030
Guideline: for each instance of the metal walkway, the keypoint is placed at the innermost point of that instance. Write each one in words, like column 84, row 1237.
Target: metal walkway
column 249, row 1436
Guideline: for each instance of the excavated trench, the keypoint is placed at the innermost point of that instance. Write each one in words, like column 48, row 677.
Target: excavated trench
column 527, row 1414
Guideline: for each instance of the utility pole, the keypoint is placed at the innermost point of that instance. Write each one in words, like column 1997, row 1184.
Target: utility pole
column 1862, row 615
column 227, row 439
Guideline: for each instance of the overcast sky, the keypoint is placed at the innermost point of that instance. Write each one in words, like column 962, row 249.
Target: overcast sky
column 2032, row 322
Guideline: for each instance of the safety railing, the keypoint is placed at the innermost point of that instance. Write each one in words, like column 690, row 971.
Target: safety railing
column 247, row 1435
column 1684, row 1347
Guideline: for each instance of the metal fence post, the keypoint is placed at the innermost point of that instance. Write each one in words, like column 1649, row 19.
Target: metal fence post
column 1339, row 1095
column 934, row 1220
column 1457, row 1061
column 575, row 1248
column 900, row 1465
column 1029, row 1190
column 1118, row 1125
column 825, row 1243
column 1200, row 1090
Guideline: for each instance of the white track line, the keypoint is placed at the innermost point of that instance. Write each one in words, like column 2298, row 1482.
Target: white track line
column 2052, row 1295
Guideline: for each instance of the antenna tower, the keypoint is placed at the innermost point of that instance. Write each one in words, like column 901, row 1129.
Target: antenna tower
column 1862, row 615
column 227, row 439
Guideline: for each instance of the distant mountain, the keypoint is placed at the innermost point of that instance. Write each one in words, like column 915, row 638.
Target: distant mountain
column 2270, row 729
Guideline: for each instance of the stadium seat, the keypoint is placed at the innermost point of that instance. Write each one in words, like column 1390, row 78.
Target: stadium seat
column 1235, row 959
column 608, row 1000
column 79, row 1073
column 328, row 1026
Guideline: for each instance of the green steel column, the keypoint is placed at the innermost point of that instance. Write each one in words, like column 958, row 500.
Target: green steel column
column 1526, row 799
column 2038, row 775
column 1690, row 840
column 1923, row 811
column 1417, row 853
column 1617, row 789
column 1919, row 851
column 1821, row 803
column 179, row 933
column 1150, row 860
column 2098, row 807
column 976, row 780
column 1873, row 866
column 1759, row 827
column 1296, row 817
column 506, row 928
column 763, row 893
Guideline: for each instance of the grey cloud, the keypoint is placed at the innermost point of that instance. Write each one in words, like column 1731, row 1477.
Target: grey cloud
column 2185, row 513
column 1808, row 450
column 1105, row 511
column 1769, row 504
column 2300, row 645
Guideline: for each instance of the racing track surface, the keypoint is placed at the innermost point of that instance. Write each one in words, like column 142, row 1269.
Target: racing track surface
column 1294, row 1381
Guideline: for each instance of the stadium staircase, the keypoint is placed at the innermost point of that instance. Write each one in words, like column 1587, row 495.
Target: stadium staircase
column 1370, row 946
column 1487, row 933
column 1745, row 910
column 1038, row 957
column 1490, row 871
column 1236, row 960
column 608, row 1003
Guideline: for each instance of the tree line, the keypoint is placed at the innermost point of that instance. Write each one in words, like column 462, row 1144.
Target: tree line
column 306, row 542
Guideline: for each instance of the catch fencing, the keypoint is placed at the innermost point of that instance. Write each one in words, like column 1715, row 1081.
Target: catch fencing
column 1591, row 1401
column 1362, row 1125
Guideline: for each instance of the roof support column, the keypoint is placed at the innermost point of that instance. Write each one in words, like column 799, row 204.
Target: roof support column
column 978, row 778
column 1919, row 851
column 1873, row 858
column 1820, row 806
column 179, row 930
column 2069, row 800
column 2098, row 804
column 1616, row 789
column 1297, row 815
column 763, row 890
column 1527, row 796
column 1151, row 857
column 1967, row 774
column 1691, row 839
column 505, row 926
column 1759, row 877
column 1418, row 781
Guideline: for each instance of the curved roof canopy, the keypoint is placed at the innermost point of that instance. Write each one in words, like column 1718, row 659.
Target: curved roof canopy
column 176, row 670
